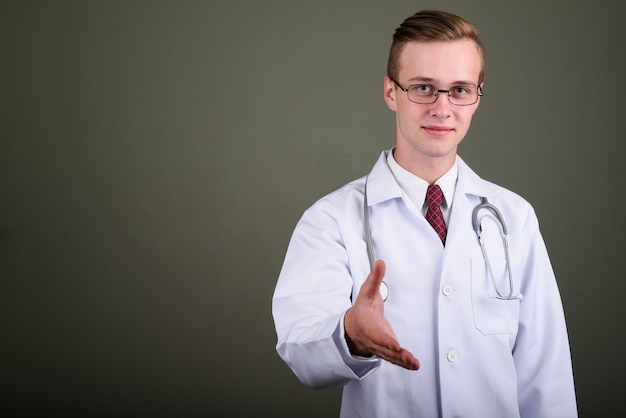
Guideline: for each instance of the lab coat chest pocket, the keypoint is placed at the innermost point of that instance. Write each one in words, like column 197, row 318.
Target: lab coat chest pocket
column 493, row 315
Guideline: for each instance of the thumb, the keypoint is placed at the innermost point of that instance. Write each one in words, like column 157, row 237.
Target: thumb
column 371, row 285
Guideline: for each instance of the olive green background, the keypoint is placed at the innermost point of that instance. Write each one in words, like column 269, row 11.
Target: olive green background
column 156, row 155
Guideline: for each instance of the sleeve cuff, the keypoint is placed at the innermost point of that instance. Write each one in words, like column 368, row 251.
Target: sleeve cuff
column 361, row 366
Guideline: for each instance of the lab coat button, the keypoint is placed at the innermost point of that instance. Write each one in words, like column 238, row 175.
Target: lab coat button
column 452, row 356
column 447, row 289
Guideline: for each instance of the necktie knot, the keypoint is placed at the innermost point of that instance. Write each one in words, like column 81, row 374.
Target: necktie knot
column 434, row 197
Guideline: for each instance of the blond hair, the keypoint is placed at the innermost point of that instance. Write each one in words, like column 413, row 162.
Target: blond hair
column 431, row 26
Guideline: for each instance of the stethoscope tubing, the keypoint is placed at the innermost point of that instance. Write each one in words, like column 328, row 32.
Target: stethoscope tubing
column 484, row 204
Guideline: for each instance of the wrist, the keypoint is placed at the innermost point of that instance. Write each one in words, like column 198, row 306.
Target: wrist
column 356, row 348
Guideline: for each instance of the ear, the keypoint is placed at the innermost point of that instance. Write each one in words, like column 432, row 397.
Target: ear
column 389, row 93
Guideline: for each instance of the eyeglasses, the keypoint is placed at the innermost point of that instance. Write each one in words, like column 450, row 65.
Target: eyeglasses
column 428, row 94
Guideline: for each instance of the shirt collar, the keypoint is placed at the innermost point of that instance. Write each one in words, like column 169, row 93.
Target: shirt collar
column 415, row 187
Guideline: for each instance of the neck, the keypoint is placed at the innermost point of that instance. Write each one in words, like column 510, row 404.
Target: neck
column 428, row 168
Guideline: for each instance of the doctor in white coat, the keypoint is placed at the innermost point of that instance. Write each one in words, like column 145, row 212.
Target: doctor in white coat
column 435, row 328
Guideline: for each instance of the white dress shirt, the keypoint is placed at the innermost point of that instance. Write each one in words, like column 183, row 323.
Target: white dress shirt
column 415, row 187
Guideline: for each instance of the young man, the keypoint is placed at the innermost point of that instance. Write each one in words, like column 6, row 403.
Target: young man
column 485, row 321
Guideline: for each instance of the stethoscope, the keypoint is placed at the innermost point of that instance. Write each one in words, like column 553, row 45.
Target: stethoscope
column 476, row 223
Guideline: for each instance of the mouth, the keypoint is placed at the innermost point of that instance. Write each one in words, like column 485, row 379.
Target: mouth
column 437, row 130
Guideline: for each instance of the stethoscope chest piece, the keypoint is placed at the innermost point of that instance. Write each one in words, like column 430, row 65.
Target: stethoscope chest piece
column 384, row 291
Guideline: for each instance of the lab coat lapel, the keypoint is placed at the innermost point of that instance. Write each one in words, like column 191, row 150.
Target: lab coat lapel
column 469, row 188
column 381, row 184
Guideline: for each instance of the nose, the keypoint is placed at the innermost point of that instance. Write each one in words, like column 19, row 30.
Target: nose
column 442, row 106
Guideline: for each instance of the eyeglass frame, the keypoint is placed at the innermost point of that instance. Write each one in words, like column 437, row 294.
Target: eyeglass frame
column 479, row 92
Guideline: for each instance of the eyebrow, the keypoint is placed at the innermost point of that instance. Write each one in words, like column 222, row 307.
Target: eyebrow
column 432, row 80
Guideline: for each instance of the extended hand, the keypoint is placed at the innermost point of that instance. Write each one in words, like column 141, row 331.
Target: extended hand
column 367, row 330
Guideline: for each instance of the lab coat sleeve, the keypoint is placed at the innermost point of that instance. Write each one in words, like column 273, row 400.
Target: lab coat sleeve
column 541, row 352
column 312, row 294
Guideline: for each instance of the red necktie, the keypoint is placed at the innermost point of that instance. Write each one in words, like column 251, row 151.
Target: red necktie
column 434, row 197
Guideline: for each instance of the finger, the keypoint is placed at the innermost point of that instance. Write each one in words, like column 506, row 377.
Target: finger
column 402, row 357
column 387, row 347
column 406, row 360
column 372, row 283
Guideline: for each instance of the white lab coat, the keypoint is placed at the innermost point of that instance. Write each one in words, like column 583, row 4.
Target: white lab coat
column 480, row 356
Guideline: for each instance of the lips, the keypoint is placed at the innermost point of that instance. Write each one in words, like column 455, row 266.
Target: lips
column 437, row 130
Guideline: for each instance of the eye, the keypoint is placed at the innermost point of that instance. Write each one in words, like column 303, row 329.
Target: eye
column 423, row 89
column 461, row 91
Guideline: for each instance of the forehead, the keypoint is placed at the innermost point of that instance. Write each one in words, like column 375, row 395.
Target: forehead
column 442, row 61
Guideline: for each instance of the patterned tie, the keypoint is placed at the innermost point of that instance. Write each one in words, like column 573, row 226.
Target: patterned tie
column 434, row 197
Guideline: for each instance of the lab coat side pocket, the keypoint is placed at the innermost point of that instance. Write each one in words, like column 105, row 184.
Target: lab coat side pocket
column 492, row 315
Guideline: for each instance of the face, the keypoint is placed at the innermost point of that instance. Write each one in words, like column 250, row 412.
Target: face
column 432, row 132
